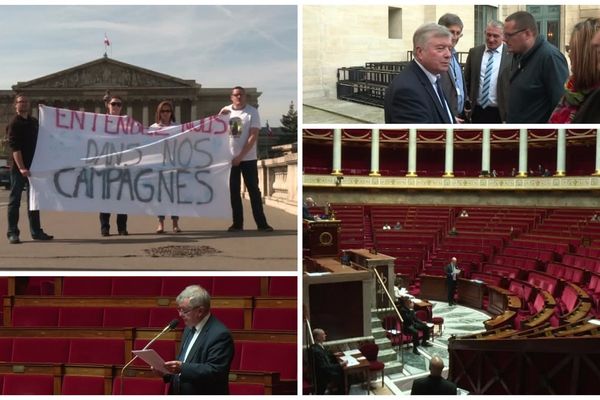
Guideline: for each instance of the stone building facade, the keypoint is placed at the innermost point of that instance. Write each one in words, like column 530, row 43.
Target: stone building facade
column 83, row 87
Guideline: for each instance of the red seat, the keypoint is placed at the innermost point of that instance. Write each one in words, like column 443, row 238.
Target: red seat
column 34, row 316
column 82, row 385
column 42, row 350
column 87, row 286
column 242, row 389
column 236, row 286
column 97, row 351
column 160, row 316
column 80, row 316
column 275, row 357
column 6, row 345
column 237, row 354
column 285, row 286
column 275, row 319
column 173, row 285
column 233, row 318
column 139, row 386
column 28, row 384
column 136, row 286
column 370, row 351
column 121, row 317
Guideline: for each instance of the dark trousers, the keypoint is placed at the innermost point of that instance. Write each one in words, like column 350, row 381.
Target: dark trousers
column 105, row 222
column 486, row 115
column 451, row 290
column 414, row 331
column 17, row 183
column 249, row 171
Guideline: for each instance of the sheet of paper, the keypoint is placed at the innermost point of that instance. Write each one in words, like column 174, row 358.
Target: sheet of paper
column 152, row 358
column 352, row 352
column 351, row 360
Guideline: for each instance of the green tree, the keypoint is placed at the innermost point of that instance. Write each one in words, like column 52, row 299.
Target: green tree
column 289, row 121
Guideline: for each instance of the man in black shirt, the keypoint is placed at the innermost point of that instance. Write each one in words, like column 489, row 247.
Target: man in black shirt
column 411, row 325
column 328, row 370
column 22, row 138
column 434, row 383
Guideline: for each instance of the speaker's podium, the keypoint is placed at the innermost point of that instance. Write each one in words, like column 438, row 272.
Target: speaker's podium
column 338, row 297
column 320, row 238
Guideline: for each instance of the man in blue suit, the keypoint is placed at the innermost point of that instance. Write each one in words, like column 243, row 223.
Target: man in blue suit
column 416, row 95
column 202, row 366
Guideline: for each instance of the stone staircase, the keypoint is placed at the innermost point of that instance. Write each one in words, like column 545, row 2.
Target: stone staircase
column 388, row 355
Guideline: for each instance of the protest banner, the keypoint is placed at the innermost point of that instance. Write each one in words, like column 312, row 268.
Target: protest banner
column 104, row 163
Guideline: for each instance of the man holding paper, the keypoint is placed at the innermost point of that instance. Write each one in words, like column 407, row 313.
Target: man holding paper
column 452, row 272
column 202, row 367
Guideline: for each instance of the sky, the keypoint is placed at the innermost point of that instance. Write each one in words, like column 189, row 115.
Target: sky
column 217, row 46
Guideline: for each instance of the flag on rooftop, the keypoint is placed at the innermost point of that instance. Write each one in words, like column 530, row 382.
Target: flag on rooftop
column 106, row 41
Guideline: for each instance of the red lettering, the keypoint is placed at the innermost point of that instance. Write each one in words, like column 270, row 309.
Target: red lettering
column 219, row 121
column 59, row 116
column 108, row 121
column 79, row 117
column 94, row 123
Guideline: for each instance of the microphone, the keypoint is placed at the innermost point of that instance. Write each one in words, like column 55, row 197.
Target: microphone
column 166, row 329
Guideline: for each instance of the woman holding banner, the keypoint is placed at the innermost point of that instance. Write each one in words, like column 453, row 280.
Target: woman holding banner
column 114, row 107
column 164, row 118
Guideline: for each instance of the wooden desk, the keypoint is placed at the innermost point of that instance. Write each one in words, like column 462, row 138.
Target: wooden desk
column 434, row 287
column 470, row 293
column 362, row 368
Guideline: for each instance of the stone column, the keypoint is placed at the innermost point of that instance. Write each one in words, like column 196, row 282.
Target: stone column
column 522, row 153
column 485, row 151
column 130, row 110
column 145, row 115
column 597, row 172
column 337, row 152
column 97, row 109
column 561, row 153
column 449, row 170
column 375, row 152
column 35, row 111
column 193, row 113
column 412, row 152
column 178, row 113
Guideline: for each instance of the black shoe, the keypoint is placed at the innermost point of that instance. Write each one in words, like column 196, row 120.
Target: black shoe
column 13, row 239
column 42, row 236
column 426, row 344
column 265, row 228
column 235, row 228
column 416, row 351
column 123, row 233
column 105, row 232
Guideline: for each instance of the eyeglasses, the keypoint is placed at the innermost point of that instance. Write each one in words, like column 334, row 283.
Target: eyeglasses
column 510, row 35
column 116, row 104
column 165, row 111
column 182, row 311
column 237, row 94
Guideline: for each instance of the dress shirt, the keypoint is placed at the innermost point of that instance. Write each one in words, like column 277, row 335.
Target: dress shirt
column 497, row 54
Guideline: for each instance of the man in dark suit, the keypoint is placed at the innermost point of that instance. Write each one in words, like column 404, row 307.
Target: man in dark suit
column 486, row 75
column 415, row 95
column 453, row 81
column 328, row 371
column 411, row 325
column 452, row 272
column 434, row 383
column 202, row 366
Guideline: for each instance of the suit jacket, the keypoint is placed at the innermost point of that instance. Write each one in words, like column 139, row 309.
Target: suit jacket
column 206, row 369
column 449, row 88
column 431, row 385
column 473, row 72
column 448, row 271
column 410, row 98
column 327, row 368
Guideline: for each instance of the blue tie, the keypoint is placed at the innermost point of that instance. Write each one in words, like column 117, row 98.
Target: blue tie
column 188, row 339
column 487, row 78
column 440, row 93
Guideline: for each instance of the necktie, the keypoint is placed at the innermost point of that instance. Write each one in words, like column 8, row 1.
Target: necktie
column 440, row 93
column 487, row 78
column 188, row 339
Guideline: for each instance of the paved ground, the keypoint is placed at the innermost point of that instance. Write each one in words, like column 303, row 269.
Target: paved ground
column 79, row 246
column 334, row 111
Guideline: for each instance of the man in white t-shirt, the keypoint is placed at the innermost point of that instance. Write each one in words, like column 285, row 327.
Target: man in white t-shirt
column 244, row 124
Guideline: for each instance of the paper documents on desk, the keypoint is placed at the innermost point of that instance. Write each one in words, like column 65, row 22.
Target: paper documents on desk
column 351, row 360
column 152, row 358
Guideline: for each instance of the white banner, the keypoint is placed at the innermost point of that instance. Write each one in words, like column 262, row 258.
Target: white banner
column 104, row 163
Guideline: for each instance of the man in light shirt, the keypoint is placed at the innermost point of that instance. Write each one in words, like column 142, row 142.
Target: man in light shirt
column 452, row 272
column 486, row 76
